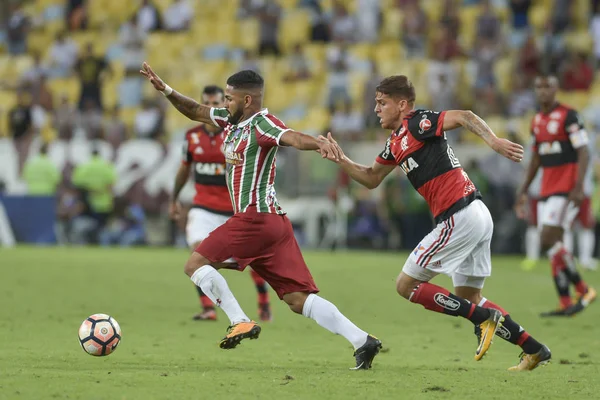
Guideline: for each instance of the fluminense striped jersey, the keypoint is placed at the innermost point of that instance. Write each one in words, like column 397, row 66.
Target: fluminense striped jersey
column 250, row 148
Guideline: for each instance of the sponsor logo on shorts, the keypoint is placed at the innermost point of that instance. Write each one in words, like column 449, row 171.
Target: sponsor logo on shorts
column 419, row 248
column 446, row 302
column 503, row 333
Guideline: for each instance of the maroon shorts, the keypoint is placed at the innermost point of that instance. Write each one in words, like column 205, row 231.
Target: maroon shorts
column 265, row 241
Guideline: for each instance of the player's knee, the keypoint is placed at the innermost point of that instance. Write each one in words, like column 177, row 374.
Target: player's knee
column 404, row 286
column 193, row 263
column 295, row 301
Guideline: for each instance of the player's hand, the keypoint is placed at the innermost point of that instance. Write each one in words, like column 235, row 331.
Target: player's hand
column 576, row 196
column 152, row 77
column 329, row 148
column 508, row 149
column 175, row 210
column 521, row 205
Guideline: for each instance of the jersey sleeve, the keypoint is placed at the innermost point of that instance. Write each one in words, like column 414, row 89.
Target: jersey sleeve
column 427, row 124
column 575, row 129
column 269, row 130
column 219, row 116
column 386, row 157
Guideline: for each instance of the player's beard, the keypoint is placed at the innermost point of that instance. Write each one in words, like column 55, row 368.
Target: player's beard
column 236, row 117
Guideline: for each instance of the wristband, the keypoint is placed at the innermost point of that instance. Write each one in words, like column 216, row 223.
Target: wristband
column 167, row 90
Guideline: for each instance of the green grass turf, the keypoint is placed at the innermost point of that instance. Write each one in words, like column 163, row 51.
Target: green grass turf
column 45, row 293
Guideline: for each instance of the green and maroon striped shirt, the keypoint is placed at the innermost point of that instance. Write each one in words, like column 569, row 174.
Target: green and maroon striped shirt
column 250, row 148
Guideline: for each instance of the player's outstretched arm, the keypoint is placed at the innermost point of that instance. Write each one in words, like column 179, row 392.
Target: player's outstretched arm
column 469, row 120
column 185, row 105
column 303, row 141
column 369, row 177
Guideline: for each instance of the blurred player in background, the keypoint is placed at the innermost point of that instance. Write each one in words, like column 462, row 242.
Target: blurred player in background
column 459, row 246
column 561, row 150
column 212, row 206
column 583, row 227
column 259, row 233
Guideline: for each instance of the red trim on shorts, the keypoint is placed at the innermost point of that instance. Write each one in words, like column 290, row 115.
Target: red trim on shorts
column 445, row 242
column 442, row 233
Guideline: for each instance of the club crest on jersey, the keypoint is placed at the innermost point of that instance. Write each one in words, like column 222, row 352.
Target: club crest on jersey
column 424, row 124
column 198, row 150
column 246, row 132
column 408, row 165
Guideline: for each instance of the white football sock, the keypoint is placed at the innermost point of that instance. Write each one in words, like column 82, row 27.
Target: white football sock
column 569, row 241
column 215, row 287
column 532, row 243
column 586, row 241
column 329, row 317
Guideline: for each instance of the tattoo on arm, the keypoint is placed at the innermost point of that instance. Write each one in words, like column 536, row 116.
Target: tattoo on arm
column 478, row 126
column 190, row 107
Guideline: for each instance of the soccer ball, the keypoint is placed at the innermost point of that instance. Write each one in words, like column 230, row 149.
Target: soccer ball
column 99, row 335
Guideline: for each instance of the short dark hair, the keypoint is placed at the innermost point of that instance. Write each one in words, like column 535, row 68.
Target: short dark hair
column 246, row 79
column 212, row 89
column 398, row 86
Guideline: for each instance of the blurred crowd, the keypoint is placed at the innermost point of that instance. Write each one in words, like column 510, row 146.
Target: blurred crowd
column 69, row 69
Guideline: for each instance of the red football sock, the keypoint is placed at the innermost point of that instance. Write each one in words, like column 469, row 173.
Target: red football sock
column 206, row 302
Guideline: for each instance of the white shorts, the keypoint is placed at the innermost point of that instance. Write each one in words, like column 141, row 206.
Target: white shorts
column 557, row 211
column 458, row 247
column 200, row 223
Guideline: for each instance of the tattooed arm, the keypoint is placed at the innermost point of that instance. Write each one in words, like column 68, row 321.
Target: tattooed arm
column 188, row 107
column 472, row 122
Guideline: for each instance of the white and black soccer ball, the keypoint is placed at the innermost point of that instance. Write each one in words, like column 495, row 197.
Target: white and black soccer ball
column 99, row 335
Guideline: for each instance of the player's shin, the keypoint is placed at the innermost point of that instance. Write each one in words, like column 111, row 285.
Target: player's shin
column 565, row 271
column 215, row 287
column 438, row 299
column 586, row 240
column 329, row 317
column 532, row 243
column 513, row 332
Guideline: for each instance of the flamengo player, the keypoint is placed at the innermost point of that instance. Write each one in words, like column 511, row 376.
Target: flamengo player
column 212, row 205
column 561, row 150
column 460, row 244
column 259, row 233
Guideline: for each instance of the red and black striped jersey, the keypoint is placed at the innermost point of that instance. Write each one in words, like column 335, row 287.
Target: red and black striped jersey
column 557, row 135
column 205, row 151
column 420, row 148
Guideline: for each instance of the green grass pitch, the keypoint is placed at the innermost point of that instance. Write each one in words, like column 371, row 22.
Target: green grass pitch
column 45, row 293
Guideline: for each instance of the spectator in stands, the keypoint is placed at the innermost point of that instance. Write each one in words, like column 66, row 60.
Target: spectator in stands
column 449, row 19
column 130, row 90
column 76, row 14
column 65, row 116
column 298, row 65
column 371, row 119
column 561, row 16
column 414, row 30
column 520, row 21
column 132, row 37
column 319, row 21
column 42, row 94
column 20, row 118
column 269, row 16
column 115, row 130
column 338, row 78
column 529, row 59
column 368, row 17
column 148, row 17
column 489, row 101
column 63, row 56
column 90, row 69
column 72, row 224
column 554, row 44
column 446, row 47
column 489, row 27
column 90, row 124
column 149, row 120
column 343, row 25
column 365, row 227
column 577, row 73
column 178, row 16
column 17, row 29
column 250, row 62
column 36, row 71
column 485, row 55
column 595, row 32
column 442, row 90
column 347, row 122
column 95, row 179
column 126, row 227
column 521, row 99
column 40, row 174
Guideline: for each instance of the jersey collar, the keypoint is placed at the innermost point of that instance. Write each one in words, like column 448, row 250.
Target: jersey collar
column 245, row 122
